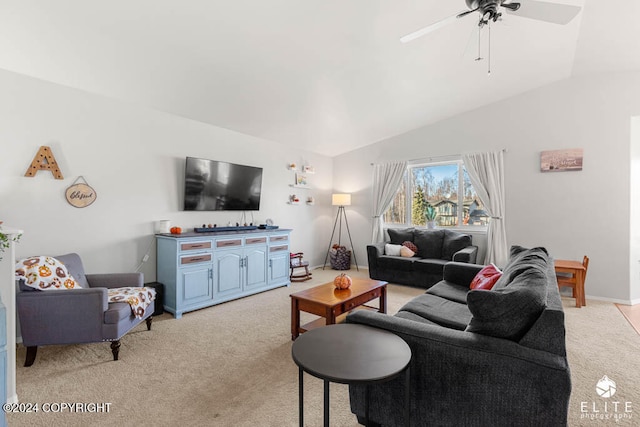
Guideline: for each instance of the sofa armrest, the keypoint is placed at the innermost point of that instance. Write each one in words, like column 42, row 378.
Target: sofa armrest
column 468, row 254
column 374, row 251
column 460, row 273
column 458, row 375
column 62, row 316
column 115, row 280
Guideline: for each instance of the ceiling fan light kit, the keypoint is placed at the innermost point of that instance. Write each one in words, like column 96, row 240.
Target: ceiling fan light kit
column 491, row 11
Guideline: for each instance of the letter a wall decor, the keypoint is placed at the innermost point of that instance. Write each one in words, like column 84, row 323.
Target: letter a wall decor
column 44, row 160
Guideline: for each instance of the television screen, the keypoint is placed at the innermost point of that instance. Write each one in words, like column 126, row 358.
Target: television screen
column 211, row 185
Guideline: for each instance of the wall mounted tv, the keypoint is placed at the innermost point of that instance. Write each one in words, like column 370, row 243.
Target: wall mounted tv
column 211, row 185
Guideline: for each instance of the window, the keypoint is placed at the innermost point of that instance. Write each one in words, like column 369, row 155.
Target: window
column 445, row 187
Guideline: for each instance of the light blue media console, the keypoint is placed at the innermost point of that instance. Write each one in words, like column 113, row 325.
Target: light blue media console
column 203, row 269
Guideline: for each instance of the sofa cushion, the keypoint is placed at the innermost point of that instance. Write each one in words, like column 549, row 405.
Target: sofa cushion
column 416, row 318
column 391, row 249
column 429, row 243
column 453, row 242
column 509, row 312
column 429, row 266
column 388, row 262
column 522, row 259
column 399, row 235
column 450, row 291
column 486, row 278
column 440, row 310
column 116, row 312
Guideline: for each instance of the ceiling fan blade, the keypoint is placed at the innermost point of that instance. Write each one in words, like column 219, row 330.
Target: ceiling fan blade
column 549, row 12
column 430, row 28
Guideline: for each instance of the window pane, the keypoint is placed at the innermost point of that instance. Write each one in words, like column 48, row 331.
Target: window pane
column 435, row 186
column 396, row 214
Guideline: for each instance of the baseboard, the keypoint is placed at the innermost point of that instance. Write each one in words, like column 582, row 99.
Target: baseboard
column 612, row 300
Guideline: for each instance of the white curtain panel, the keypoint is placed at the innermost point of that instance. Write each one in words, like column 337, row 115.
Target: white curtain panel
column 387, row 178
column 486, row 171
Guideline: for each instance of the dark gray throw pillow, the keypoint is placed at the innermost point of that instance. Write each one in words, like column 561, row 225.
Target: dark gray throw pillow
column 400, row 235
column 429, row 243
column 511, row 311
column 454, row 242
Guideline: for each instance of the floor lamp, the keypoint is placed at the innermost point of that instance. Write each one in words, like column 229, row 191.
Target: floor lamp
column 341, row 200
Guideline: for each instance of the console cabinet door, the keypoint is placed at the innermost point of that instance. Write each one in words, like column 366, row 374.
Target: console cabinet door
column 228, row 272
column 256, row 267
column 278, row 267
column 196, row 285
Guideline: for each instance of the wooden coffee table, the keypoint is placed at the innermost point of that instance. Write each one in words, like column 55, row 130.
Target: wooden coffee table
column 328, row 302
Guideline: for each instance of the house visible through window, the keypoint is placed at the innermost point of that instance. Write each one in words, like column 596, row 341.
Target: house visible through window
column 444, row 186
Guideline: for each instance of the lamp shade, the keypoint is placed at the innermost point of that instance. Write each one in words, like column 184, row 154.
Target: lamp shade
column 341, row 199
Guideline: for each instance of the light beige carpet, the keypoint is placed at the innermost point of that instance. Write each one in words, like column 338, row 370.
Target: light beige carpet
column 230, row 365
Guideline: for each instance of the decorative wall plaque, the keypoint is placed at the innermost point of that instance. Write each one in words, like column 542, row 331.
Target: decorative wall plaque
column 44, row 160
column 80, row 194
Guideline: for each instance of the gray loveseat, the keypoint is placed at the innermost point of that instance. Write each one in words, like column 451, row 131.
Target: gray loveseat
column 481, row 357
column 435, row 249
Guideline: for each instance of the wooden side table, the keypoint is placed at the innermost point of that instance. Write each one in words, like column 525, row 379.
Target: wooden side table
column 351, row 354
column 576, row 273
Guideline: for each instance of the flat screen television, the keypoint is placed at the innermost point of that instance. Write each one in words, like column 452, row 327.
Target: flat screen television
column 211, row 185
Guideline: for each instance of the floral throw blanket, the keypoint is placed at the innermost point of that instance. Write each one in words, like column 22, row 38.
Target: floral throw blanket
column 138, row 298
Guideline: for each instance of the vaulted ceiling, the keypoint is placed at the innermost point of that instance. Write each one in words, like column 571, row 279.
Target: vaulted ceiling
column 324, row 75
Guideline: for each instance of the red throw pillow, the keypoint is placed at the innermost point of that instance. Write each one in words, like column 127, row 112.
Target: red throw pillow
column 486, row 278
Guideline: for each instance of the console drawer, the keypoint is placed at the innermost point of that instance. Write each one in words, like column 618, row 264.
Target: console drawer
column 281, row 238
column 194, row 259
column 190, row 246
column 228, row 243
column 255, row 240
column 278, row 248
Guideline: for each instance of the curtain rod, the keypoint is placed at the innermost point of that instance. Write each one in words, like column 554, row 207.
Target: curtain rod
column 438, row 158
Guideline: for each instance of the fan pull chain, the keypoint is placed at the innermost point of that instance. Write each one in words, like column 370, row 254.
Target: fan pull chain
column 479, row 58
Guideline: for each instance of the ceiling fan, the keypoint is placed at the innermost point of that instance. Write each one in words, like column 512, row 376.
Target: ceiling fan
column 491, row 11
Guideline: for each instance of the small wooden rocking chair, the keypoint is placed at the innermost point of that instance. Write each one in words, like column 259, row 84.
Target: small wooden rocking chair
column 297, row 262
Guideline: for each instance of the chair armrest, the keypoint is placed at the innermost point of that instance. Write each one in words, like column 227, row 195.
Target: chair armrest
column 467, row 254
column 116, row 280
column 62, row 316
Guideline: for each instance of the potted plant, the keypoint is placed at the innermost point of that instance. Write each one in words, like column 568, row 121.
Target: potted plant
column 430, row 216
column 6, row 239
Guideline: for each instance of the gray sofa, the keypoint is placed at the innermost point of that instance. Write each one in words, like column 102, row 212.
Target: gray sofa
column 76, row 316
column 480, row 358
column 435, row 249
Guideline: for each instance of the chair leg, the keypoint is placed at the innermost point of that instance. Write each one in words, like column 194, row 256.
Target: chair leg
column 149, row 321
column 31, row 355
column 115, row 349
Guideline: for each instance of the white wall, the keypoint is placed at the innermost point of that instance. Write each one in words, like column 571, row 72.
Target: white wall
column 634, row 259
column 134, row 159
column 570, row 213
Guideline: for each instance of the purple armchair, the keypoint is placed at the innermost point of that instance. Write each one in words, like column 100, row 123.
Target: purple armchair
column 77, row 316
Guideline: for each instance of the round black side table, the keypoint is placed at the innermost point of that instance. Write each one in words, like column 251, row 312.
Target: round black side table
column 350, row 354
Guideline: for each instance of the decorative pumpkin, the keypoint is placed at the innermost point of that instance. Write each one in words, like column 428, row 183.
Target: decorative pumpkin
column 342, row 281
column 175, row 230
